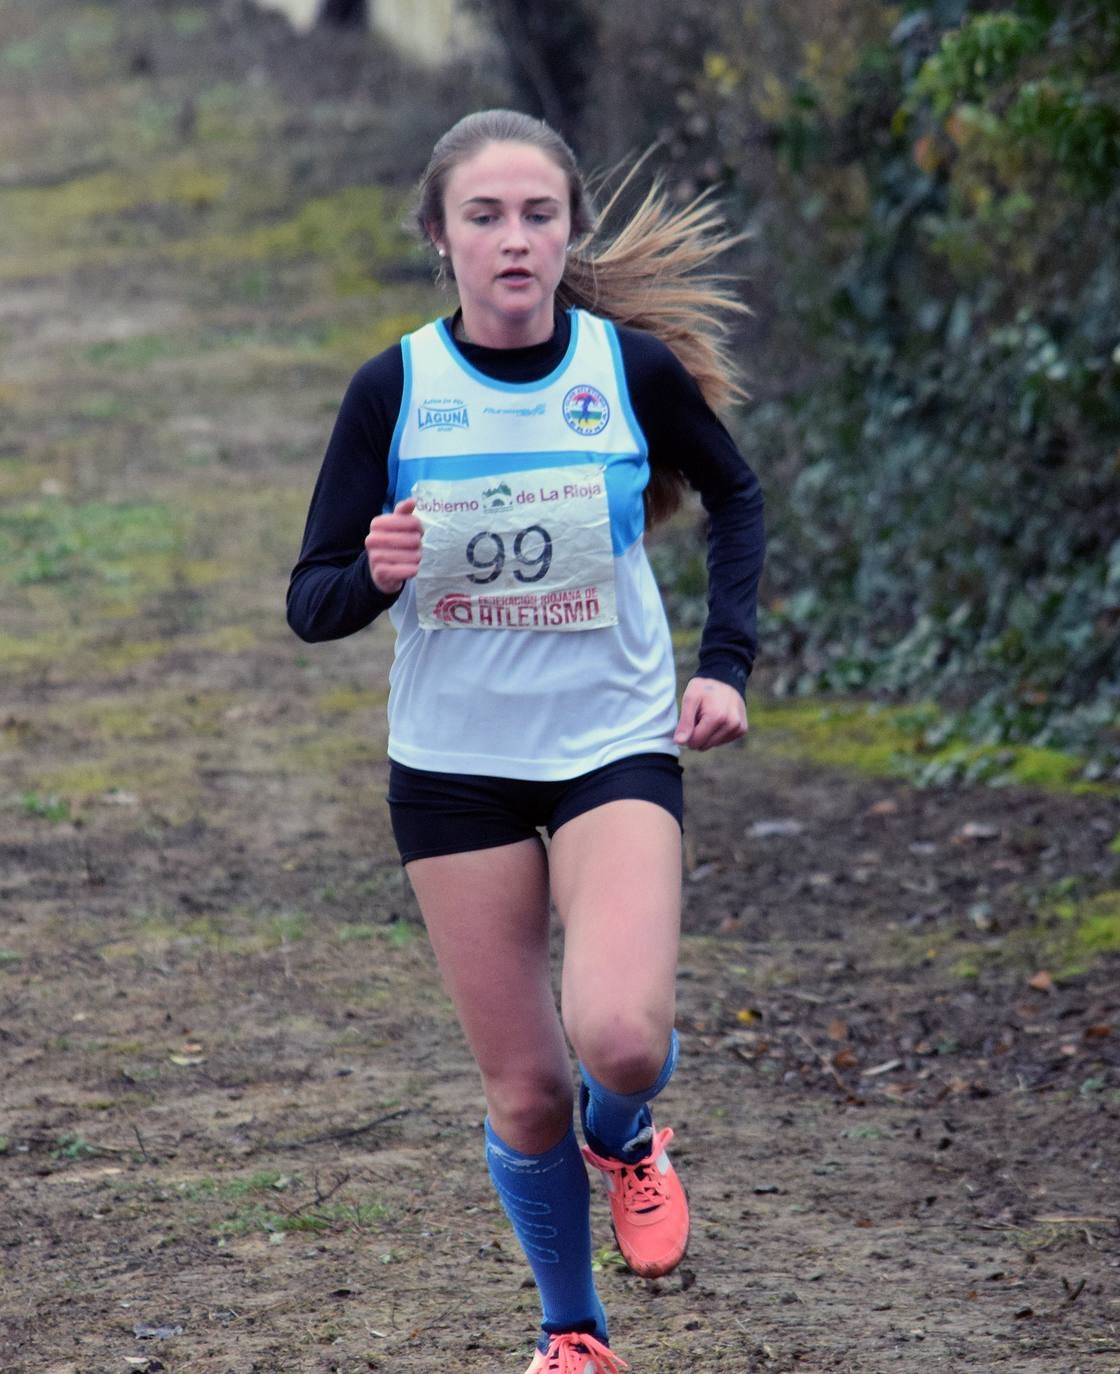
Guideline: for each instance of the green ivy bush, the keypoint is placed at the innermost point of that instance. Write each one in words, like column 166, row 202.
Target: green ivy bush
column 949, row 519
column 931, row 194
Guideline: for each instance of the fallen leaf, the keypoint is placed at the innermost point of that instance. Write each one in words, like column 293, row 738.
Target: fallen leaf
column 978, row 830
column 886, row 807
column 762, row 830
column 1042, row 981
column 747, row 1015
column 1101, row 1031
column 838, row 1030
column 882, row 1068
column 844, row 1059
column 143, row 1332
column 187, row 1061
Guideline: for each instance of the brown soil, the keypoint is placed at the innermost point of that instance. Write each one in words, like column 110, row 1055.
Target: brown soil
column 239, row 1130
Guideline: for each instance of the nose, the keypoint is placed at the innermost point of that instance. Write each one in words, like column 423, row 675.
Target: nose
column 514, row 239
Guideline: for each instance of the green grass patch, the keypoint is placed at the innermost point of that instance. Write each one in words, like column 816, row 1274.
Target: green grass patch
column 25, row 54
column 354, row 232
column 343, row 701
column 1094, row 922
column 329, row 755
column 235, row 933
column 151, row 716
column 50, row 808
column 356, row 931
column 54, row 541
column 21, row 478
column 227, row 1189
column 910, row 742
column 258, row 1210
column 1070, row 933
column 72, row 1146
column 330, row 1216
column 189, row 22
column 100, row 207
column 140, row 351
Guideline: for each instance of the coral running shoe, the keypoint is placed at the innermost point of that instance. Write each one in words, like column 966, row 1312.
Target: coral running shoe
column 575, row 1353
column 649, row 1210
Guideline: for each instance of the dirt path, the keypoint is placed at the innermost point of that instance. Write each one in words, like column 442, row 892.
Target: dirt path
column 238, row 1128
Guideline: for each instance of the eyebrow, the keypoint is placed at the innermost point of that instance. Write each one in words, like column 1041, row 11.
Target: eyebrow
column 496, row 200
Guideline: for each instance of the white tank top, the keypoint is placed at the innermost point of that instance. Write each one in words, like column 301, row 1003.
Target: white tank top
column 549, row 653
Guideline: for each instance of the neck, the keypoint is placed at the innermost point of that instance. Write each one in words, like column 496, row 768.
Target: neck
column 503, row 334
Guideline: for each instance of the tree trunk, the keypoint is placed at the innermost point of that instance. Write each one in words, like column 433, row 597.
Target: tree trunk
column 550, row 48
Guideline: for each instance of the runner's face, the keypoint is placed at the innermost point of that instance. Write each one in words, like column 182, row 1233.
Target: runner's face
column 507, row 224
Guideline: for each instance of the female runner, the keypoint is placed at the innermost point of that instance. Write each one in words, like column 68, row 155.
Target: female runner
column 488, row 482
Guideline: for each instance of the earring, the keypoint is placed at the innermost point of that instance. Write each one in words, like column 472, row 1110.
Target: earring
column 442, row 252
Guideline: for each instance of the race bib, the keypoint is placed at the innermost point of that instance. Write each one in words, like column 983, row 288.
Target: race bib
column 521, row 551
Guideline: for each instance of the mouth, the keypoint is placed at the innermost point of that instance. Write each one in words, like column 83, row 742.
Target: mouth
column 515, row 274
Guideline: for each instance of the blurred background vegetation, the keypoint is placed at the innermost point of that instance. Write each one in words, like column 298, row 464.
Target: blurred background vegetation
column 931, row 197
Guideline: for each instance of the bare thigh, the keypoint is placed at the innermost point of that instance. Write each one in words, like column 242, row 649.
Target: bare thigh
column 487, row 915
column 616, row 882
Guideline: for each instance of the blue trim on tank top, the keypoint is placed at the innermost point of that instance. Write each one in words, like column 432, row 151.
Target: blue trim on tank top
column 398, row 428
column 516, row 387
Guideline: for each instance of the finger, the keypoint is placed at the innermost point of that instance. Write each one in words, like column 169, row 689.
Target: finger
column 405, row 507
column 391, row 577
column 720, row 729
column 690, row 708
column 400, row 524
column 392, row 541
column 704, row 732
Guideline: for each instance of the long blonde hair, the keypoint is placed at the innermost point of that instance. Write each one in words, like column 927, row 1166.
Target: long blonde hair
column 654, row 273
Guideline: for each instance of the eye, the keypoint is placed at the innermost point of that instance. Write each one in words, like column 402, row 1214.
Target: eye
column 540, row 216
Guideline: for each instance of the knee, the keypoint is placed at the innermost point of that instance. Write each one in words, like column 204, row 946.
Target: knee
column 531, row 1113
column 624, row 1053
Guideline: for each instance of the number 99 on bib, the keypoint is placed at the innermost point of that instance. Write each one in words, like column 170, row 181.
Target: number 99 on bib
column 517, row 551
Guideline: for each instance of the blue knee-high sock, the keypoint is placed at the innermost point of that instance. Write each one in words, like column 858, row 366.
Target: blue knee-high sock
column 547, row 1199
column 613, row 1123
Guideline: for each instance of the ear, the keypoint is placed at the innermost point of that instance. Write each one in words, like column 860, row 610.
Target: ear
column 435, row 238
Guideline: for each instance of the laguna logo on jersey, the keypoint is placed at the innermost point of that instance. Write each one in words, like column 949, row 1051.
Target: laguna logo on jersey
column 585, row 410
column 442, row 413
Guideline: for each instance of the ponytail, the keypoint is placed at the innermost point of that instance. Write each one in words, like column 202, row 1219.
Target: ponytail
column 654, row 274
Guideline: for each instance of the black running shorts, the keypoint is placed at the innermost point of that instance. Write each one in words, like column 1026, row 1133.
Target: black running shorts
column 453, row 813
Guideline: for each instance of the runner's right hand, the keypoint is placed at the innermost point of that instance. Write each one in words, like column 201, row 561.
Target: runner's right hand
column 393, row 547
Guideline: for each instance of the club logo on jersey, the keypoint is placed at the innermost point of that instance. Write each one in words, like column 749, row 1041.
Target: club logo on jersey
column 442, row 413
column 585, row 410
column 455, row 608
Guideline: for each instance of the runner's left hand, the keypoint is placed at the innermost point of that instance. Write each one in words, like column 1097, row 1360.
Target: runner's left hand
column 711, row 713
